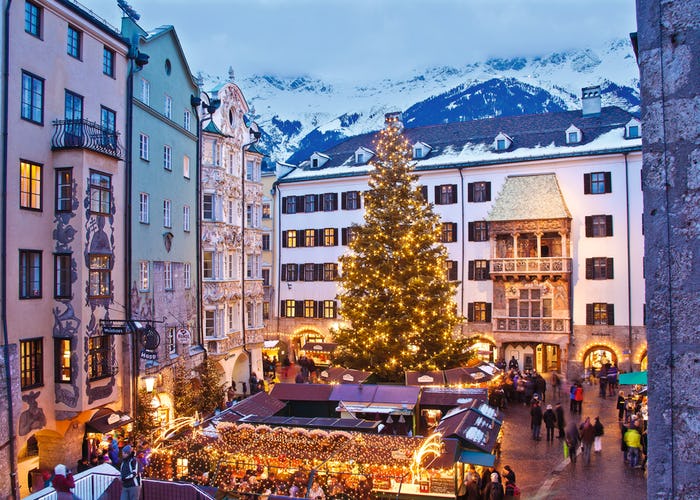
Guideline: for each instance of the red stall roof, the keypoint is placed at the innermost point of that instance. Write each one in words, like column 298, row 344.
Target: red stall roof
column 260, row 404
column 425, row 378
column 447, row 396
column 301, row 392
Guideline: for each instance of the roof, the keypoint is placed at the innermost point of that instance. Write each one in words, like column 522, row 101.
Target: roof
column 442, row 396
column 377, row 394
column 314, row 422
column 212, row 128
column 319, row 347
column 105, row 420
column 301, row 392
column 425, row 378
column 476, row 426
column 260, row 404
column 340, row 375
column 471, row 142
column 525, row 197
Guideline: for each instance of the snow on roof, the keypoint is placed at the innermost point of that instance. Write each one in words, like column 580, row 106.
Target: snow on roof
column 526, row 197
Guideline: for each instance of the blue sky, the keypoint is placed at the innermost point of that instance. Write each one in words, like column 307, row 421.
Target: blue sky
column 373, row 39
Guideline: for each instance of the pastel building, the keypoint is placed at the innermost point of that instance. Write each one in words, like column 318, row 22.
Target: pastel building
column 541, row 216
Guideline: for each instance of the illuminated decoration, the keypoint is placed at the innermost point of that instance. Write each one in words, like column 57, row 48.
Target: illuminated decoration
column 432, row 446
column 395, row 296
column 149, row 383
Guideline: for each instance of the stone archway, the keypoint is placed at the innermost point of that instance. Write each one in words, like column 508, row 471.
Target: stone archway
column 597, row 356
column 485, row 348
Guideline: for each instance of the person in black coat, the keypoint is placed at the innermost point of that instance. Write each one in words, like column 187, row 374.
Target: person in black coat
column 536, row 420
column 550, row 419
column 559, row 413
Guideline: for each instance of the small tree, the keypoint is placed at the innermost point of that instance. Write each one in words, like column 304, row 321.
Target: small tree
column 145, row 420
column 184, row 394
column 395, row 291
column 212, row 393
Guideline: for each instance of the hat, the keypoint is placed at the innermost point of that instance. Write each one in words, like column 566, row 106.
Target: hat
column 60, row 469
column 127, row 449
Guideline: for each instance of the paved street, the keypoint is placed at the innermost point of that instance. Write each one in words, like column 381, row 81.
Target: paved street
column 542, row 472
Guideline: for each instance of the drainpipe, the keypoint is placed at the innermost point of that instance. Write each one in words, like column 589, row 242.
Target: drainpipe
column 629, row 265
column 3, row 251
column 464, row 244
column 127, row 222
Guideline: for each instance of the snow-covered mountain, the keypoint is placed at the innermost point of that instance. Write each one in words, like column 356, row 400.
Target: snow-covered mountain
column 300, row 115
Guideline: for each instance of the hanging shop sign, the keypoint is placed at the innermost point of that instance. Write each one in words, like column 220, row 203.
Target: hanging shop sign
column 151, row 341
column 184, row 336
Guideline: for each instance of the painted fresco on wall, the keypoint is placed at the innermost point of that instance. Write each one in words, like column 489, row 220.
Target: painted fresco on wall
column 33, row 417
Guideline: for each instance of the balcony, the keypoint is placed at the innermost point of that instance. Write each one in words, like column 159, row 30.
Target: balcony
column 540, row 267
column 531, row 325
column 84, row 134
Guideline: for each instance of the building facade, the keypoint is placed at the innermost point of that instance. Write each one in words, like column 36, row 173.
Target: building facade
column 231, row 217
column 163, row 191
column 63, row 231
column 541, row 216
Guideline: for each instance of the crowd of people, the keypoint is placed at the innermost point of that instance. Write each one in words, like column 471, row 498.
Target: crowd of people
column 489, row 485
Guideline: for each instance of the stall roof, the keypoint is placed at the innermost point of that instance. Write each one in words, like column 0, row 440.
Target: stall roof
column 448, row 457
column 425, row 378
column 384, row 408
column 301, row 392
column 340, row 375
column 259, row 403
column 477, row 458
column 319, row 347
column 447, row 396
column 270, row 344
column 376, row 394
column 476, row 426
column 314, row 422
column 105, row 420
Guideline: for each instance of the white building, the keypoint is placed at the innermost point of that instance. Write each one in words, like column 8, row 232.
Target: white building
column 542, row 218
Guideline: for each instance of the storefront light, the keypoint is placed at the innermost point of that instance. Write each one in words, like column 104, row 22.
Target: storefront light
column 150, row 383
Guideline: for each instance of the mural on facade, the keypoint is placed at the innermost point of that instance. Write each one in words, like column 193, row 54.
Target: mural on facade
column 33, row 417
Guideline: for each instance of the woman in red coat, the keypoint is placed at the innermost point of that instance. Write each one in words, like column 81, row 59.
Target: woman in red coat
column 63, row 482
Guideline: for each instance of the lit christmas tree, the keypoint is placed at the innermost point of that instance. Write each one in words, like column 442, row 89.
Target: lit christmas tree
column 395, row 293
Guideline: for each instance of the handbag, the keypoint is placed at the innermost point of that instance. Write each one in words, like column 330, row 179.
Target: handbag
column 566, row 450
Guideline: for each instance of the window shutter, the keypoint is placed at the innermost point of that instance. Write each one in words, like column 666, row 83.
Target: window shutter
column 319, row 202
column 344, row 200
column 344, row 236
column 589, row 314
column 283, row 276
column 318, row 272
column 589, row 269
column 452, row 276
column 470, row 311
column 470, row 192
column 302, row 272
column 318, row 238
column 424, row 192
column 284, row 239
column 335, row 309
column 284, row 204
column 611, row 314
column 589, row 226
column 335, row 236
column 608, row 182
column 453, row 193
column 298, row 308
column 301, row 241
column 488, row 311
column 609, row 268
column 438, row 201
column 283, row 309
column 454, row 231
column 301, row 206
column 586, row 183
column 470, row 231
column 471, row 270
column 319, row 309
column 608, row 225
column 488, row 269
column 359, row 199
column 488, row 191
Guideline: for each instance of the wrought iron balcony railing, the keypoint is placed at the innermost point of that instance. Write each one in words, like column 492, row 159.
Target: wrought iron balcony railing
column 535, row 325
column 84, row 134
column 542, row 265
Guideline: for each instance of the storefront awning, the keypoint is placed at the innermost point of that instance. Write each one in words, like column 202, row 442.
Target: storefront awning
column 319, row 347
column 270, row 344
column 477, row 458
column 381, row 408
column 106, row 420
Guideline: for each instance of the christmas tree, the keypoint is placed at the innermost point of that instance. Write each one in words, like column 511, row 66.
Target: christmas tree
column 395, row 294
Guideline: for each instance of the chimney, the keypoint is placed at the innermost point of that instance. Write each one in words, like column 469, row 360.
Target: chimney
column 393, row 119
column 590, row 101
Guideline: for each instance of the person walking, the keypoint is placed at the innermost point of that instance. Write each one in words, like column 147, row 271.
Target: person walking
column 633, row 441
column 587, row 437
column 578, row 396
column 621, row 403
column 556, row 385
column 549, row 420
column 63, row 482
column 559, row 413
column 536, row 420
column 130, row 471
column 599, row 430
column 572, row 440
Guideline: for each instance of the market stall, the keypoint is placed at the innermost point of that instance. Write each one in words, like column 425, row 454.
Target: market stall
column 340, row 375
column 105, row 424
column 319, row 352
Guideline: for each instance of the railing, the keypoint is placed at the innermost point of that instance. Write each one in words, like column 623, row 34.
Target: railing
column 84, row 134
column 535, row 265
column 537, row 325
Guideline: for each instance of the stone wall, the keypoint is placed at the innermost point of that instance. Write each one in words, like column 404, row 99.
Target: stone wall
column 669, row 61
column 7, row 461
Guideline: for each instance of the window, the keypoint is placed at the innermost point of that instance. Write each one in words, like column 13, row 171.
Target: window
column 168, row 107
column 347, row 235
column 572, row 137
column 74, row 36
column 266, row 242
column 108, row 62
column 215, row 152
column 186, row 167
column 266, row 277
column 446, row 194
column 330, row 202
column 599, row 226
column 501, row 144
column 309, row 308
column 144, row 208
column 330, row 237
column 100, row 276
column 108, row 122
column 600, row 313
column 451, row 270
column 479, row 312
column 145, row 91
column 289, row 239
column 99, row 357
column 478, row 270
column 208, row 265
column 73, row 112
column 32, row 98
column 171, row 340
column 186, row 218
column 350, row 200
column 143, row 147
column 62, row 362
column 208, row 206
column 266, row 310
column 418, row 152
column 167, row 157
column 144, row 277
column 210, row 323
column 329, row 309
column 309, row 237
column 31, row 358
column 289, row 205
column 633, row 131
column 62, row 288
column 597, row 183
column 310, row 203
column 32, row 19
column 266, row 211
column 252, row 171
column 187, row 120
column 478, row 192
column 599, row 268
column 248, row 214
column 187, row 275
column 30, row 185
column 307, row 272
column 448, row 232
column 478, row 231
column 100, row 193
column 168, row 275
column 330, row 271
column 289, row 272
column 289, row 308
column 64, row 190
column 29, row 274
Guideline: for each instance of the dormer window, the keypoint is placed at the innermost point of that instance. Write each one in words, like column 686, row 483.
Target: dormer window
column 421, row 150
column 502, row 142
column 359, row 158
column 363, row 155
column 418, row 153
column 314, row 162
column 633, row 129
column 317, row 160
column 573, row 135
